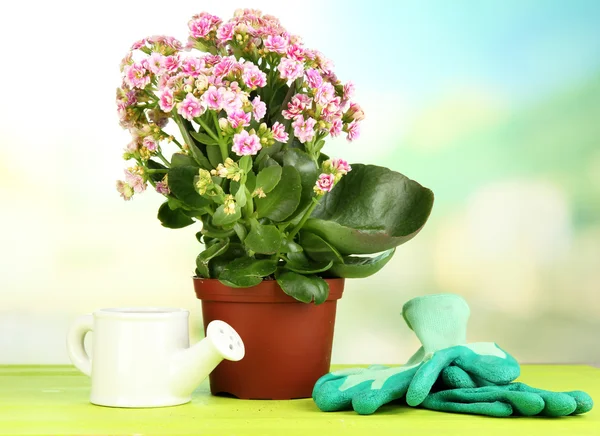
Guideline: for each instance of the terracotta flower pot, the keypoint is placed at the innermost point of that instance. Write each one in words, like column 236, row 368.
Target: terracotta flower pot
column 288, row 343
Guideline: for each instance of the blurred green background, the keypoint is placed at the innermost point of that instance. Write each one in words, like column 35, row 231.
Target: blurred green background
column 493, row 105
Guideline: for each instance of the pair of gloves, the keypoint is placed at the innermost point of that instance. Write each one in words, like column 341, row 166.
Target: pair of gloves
column 446, row 373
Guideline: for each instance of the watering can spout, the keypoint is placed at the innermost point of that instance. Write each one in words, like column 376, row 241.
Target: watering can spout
column 191, row 366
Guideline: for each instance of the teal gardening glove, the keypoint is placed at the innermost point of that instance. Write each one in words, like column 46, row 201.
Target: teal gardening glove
column 440, row 323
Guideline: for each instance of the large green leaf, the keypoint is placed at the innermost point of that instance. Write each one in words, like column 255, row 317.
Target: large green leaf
column 318, row 249
column 268, row 178
column 204, row 138
column 181, row 183
column 182, row 160
column 246, row 271
column 265, row 239
column 218, row 263
column 173, row 219
column 214, row 250
column 298, row 262
column 372, row 209
column 282, row 201
column 220, row 218
column 303, row 288
column 309, row 173
column 355, row 267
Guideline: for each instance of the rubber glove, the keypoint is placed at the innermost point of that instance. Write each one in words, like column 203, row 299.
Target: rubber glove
column 365, row 389
column 440, row 323
column 470, row 394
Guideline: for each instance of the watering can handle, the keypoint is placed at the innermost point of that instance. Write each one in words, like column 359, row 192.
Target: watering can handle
column 75, row 348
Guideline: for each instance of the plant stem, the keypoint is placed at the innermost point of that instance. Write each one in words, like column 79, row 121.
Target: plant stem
column 156, row 171
column 186, row 135
column 208, row 129
column 307, row 215
column 161, row 157
column 221, row 140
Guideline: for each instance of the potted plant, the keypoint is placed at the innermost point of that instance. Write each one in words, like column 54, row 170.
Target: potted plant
column 282, row 224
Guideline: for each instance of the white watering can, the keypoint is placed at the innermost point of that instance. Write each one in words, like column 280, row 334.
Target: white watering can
column 142, row 357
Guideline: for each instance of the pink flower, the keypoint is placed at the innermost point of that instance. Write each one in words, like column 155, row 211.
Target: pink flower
column 225, row 32
column 192, row 66
column 259, row 108
column 324, row 183
column 356, row 112
column 336, row 128
column 353, row 130
column 200, row 27
column 166, row 102
column 279, row 134
column 156, row 63
column 239, row 118
column 348, row 90
column 135, row 181
column 212, row 98
column 253, row 77
column 245, row 144
column 136, row 76
column 341, row 166
column 230, row 101
column 190, row 107
column 296, row 52
column 332, row 110
column 304, row 130
column 224, row 67
column 138, row 44
column 125, row 190
column 325, row 93
column 296, row 106
column 150, row 144
column 211, row 60
column 313, row 78
column 162, row 188
column 276, row 44
column 290, row 69
column 171, row 63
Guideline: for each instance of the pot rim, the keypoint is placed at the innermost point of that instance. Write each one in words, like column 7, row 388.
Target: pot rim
column 268, row 291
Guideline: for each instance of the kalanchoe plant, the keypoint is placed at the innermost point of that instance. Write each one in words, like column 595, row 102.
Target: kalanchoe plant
column 253, row 108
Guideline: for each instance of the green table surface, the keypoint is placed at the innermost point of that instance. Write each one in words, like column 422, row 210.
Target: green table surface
column 54, row 400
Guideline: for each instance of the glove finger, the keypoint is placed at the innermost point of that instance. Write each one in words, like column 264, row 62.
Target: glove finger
column 367, row 402
column 522, row 403
column 584, row 402
column 496, row 408
column 336, row 375
column 559, row 403
column 329, row 398
column 427, row 374
column 454, row 377
column 487, row 364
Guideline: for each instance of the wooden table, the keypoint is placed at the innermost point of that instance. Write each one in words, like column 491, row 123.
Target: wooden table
column 54, row 400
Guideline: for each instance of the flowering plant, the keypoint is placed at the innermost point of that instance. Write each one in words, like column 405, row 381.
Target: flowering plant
column 252, row 107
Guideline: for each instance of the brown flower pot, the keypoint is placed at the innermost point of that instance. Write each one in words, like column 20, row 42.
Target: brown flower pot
column 288, row 343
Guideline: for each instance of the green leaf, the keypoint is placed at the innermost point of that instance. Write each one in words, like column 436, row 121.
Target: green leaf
column 318, row 249
column 299, row 263
column 355, row 267
column 182, row 160
column 283, row 200
column 203, row 138
column 245, row 163
column 240, row 197
column 218, row 263
column 246, row 271
column 214, row 155
column 268, row 178
column 181, row 183
column 372, row 209
column 290, row 247
column 265, row 239
column 153, row 165
column 217, row 249
column 220, row 218
column 309, row 173
column 303, row 288
column 211, row 231
column 199, row 156
column 173, row 219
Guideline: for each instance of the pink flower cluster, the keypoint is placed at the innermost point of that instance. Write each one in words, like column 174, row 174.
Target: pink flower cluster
column 333, row 171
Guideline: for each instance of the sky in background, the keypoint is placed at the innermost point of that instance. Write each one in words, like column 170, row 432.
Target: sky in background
column 493, row 105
